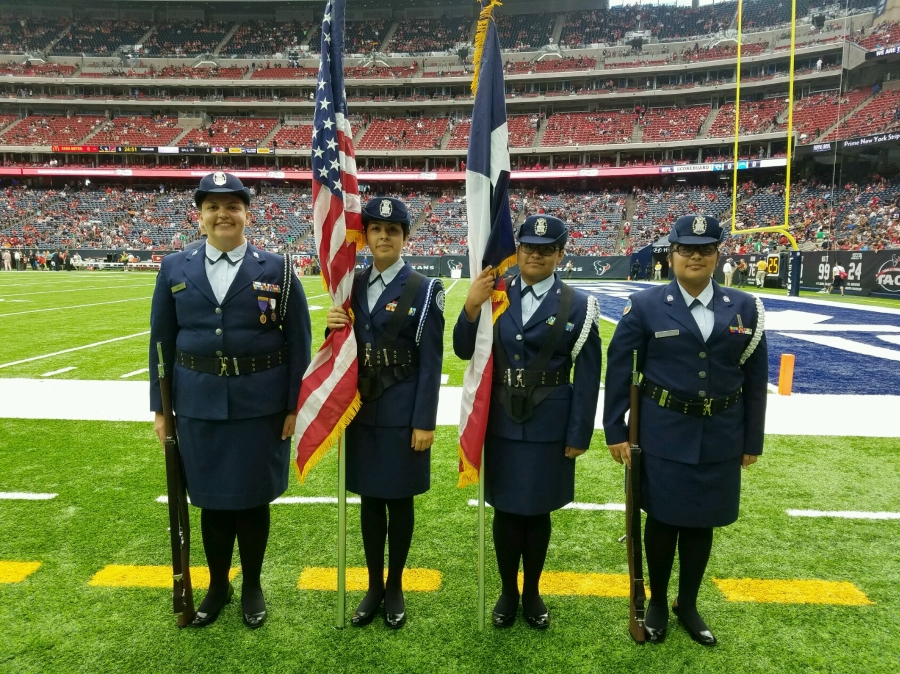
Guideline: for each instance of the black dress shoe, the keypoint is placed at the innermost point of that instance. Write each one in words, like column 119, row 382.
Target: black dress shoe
column 394, row 621
column 655, row 636
column 703, row 637
column 203, row 618
column 502, row 620
column 538, row 622
column 255, row 620
column 363, row 618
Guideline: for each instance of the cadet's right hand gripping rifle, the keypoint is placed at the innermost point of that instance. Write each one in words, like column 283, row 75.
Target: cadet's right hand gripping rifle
column 179, row 521
column 636, row 595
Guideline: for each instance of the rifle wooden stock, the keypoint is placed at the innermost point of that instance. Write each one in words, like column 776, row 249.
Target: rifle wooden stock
column 637, row 596
column 179, row 519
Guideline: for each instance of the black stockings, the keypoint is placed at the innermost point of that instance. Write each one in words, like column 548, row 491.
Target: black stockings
column 527, row 538
column 694, row 547
column 219, row 529
column 392, row 520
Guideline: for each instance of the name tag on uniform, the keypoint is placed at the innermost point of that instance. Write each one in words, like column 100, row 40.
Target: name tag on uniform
column 267, row 287
column 180, row 286
column 666, row 333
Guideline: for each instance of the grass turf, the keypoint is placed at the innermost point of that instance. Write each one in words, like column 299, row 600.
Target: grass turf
column 108, row 475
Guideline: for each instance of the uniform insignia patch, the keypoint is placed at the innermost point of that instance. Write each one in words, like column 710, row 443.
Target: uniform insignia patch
column 267, row 287
column 412, row 311
column 666, row 333
column 439, row 299
column 551, row 320
column 386, row 208
column 391, row 306
column 540, row 226
column 194, row 253
column 219, row 178
column 180, row 286
column 669, row 298
column 570, row 327
column 627, row 308
column 256, row 255
column 699, row 226
column 725, row 298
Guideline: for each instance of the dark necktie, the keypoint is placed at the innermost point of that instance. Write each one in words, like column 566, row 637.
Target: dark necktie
column 526, row 290
column 227, row 259
column 375, row 280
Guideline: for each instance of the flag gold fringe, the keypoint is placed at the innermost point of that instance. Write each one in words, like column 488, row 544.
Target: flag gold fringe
column 487, row 14
column 469, row 473
column 332, row 438
column 499, row 298
column 357, row 237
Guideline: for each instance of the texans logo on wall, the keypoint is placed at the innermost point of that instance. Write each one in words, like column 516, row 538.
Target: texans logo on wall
column 888, row 275
column 454, row 265
column 601, row 267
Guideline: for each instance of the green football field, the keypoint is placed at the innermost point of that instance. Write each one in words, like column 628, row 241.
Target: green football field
column 63, row 608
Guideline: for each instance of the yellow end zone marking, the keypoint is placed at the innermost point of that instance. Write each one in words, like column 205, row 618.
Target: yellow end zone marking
column 115, row 575
column 841, row 593
column 584, row 584
column 16, row 572
column 325, row 578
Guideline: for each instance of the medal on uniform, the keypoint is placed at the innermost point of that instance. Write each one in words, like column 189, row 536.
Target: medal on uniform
column 272, row 302
column 263, row 303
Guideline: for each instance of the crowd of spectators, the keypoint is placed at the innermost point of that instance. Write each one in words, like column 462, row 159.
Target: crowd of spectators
column 267, row 38
column 25, row 34
column 429, row 35
column 100, row 38
column 180, row 38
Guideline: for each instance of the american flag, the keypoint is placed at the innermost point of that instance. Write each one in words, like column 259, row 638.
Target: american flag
column 328, row 395
column 491, row 240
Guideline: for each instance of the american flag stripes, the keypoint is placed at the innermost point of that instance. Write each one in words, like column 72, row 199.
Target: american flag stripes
column 491, row 240
column 328, row 395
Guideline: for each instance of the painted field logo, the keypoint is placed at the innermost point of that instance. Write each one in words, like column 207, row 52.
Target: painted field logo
column 601, row 267
column 888, row 275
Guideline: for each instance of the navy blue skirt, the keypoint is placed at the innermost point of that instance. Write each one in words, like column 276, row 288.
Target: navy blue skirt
column 527, row 478
column 687, row 495
column 381, row 463
column 235, row 464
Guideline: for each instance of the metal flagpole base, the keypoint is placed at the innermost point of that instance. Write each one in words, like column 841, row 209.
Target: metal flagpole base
column 340, row 614
column 481, row 560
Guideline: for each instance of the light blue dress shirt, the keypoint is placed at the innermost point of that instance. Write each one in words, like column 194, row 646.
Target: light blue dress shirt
column 701, row 311
column 378, row 281
column 532, row 300
column 220, row 273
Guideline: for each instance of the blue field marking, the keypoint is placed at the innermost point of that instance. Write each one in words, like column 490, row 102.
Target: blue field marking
column 838, row 349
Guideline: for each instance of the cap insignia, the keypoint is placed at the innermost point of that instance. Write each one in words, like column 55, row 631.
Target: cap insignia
column 540, row 226
column 699, row 225
column 386, row 208
column 219, row 178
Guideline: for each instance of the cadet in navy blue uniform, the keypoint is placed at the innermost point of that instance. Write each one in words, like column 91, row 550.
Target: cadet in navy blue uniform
column 235, row 331
column 702, row 352
column 541, row 417
column 399, row 327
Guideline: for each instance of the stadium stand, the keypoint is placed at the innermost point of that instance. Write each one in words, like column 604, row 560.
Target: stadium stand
column 186, row 38
column 525, row 31
column 100, row 38
column 756, row 117
column 589, row 128
column 882, row 36
column 292, row 136
column 278, row 73
column 380, row 72
column 428, row 35
column 232, row 131
column 51, row 130
column 881, row 113
column 32, row 69
column 594, row 218
column 667, row 124
column 815, row 114
column 138, row 130
column 19, row 34
column 404, row 134
column 553, row 65
column 265, row 39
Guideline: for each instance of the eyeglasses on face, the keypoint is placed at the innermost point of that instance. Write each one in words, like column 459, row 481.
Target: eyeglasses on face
column 544, row 249
column 706, row 249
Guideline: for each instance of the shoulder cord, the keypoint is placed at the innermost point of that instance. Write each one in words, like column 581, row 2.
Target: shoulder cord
column 757, row 331
column 425, row 306
column 286, row 284
column 591, row 316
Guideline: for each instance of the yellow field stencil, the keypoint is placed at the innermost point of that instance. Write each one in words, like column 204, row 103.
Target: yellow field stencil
column 16, row 572
column 325, row 578
column 840, row 593
column 584, row 584
column 115, row 575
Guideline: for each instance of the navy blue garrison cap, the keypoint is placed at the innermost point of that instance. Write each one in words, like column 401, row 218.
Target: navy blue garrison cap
column 386, row 209
column 696, row 229
column 542, row 229
column 221, row 183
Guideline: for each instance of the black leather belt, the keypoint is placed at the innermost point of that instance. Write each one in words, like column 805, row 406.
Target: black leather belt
column 520, row 378
column 225, row 366
column 695, row 407
column 389, row 357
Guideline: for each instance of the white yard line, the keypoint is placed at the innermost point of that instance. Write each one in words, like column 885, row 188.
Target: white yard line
column 76, row 348
column 76, row 306
column 847, row 345
column 78, row 290
column 294, row 500
column 845, row 514
column 25, row 496
column 135, row 373
column 447, row 291
column 65, row 369
column 575, row 505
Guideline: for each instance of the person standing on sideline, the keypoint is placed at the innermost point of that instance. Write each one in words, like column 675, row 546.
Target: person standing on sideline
column 702, row 353
column 235, row 331
column 728, row 270
column 761, row 267
column 657, row 271
column 399, row 328
column 838, row 278
column 569, row 267
column 742, row 272
column 7, row 260
column 541, row 416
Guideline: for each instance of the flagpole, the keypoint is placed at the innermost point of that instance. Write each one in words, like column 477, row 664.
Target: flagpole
column 342, row 535
column 481, row 544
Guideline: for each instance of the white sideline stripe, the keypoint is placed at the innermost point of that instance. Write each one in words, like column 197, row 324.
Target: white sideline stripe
column 293, row 500
column 76, row 348
column 575, row 505
column 848, row 345
column 135, row 373
column 845, row 514
column 65, row 369
column 76, row 306
column 78, row 290
column 444, row 379
column 25, row 496
column 447, row 291
column 892, row 339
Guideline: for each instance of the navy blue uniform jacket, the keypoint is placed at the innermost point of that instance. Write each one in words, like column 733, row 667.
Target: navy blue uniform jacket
column 413, row 401
column 186, row 315
column 673, row 354
column 567, row 414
